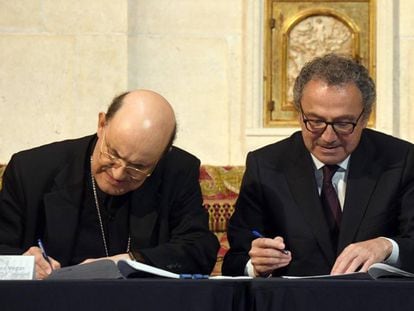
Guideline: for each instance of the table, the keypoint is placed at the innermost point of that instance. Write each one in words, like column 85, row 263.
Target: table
column 333, row 295
column 194, row 295
column 117, row 295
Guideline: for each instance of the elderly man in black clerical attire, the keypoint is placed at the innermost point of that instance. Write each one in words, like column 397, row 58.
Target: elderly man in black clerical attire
column 123, row 193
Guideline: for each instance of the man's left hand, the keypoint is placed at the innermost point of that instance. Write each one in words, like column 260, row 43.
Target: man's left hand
column 360, row 256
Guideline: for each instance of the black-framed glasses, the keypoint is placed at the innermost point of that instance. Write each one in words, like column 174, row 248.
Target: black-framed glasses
column 317, row 126
column 114, row 161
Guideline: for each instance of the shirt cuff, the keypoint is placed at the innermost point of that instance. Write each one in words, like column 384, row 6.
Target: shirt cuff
column 394, row 258
column 249, row 269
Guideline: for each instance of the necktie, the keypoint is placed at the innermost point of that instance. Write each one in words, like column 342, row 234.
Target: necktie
column 329, row 198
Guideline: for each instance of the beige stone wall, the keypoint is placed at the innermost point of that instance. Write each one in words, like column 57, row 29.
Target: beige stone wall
column 62, row 61
column 191, row 52
column 405, row 62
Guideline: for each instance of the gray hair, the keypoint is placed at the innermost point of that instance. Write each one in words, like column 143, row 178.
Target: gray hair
column 336, row 70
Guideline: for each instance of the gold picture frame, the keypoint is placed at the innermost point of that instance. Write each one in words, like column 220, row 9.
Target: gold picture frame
column 296, row 31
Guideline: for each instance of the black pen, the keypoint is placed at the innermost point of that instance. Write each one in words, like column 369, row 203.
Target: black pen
column 45, row 256
column 257, row 234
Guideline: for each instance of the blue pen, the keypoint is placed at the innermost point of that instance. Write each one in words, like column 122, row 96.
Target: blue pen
column 45, row 256
column 257, row 234
column 194, row 276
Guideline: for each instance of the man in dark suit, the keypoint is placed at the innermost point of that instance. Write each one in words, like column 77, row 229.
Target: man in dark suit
column 124, row 193
column 284, row 196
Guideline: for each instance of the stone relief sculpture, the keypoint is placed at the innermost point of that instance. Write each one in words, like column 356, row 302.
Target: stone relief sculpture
column 315, row 36
column 295, row 31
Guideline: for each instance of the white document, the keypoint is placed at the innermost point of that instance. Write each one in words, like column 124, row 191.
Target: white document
column 17, row 267
column 129, row 268
column 226, row 277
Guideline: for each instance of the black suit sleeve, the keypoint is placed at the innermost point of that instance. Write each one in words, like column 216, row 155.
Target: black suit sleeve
column 405, row 200
column 11, row 212
column 186, row 245
column 247, row 217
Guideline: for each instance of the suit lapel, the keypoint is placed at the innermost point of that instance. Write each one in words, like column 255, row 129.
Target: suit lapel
column 301, row 179
column 144, row 212
column 363, row 175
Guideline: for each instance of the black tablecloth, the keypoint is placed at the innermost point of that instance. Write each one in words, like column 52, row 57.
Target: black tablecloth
column 334, row 295
column 114, row 295
column 240, row 295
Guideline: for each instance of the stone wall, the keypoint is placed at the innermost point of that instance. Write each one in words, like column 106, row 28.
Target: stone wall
column 62, row 62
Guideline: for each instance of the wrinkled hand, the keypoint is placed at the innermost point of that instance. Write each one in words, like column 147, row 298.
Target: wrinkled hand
column 360, row 256
column 43, row 268
column 114, row 258
column 266, row 255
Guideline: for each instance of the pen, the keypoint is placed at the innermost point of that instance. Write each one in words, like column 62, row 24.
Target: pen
column 257, row 234
column 194, row 276
column 45, row 256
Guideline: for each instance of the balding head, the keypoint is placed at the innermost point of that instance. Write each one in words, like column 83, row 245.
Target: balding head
column 138, row 128
column 144, row 114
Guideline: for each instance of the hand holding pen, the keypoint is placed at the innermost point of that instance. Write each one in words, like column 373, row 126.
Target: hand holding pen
column 257, row 234
column 44, row 263
column 268, row 254
column 45, row 256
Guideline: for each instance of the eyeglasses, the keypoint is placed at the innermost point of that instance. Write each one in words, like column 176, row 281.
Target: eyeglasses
column 319, row 126
column 114, row 161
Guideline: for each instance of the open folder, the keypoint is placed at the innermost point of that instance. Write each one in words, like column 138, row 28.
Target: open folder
column 107, row 269
column 375, row 271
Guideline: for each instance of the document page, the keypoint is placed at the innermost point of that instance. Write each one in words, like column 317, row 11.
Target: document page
column 131, row 269
column 348, row 276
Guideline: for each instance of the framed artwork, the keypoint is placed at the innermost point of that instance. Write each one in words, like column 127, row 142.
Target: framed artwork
column 296, row 32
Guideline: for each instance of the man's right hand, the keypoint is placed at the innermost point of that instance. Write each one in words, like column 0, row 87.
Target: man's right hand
column 43, row 268
column 266, row 255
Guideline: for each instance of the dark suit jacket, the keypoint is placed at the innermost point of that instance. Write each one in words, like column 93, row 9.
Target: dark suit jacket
column 279, row 197
column 42, row 195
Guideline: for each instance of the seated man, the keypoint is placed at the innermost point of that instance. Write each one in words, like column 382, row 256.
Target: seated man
column 329, row 225
column 122, row 193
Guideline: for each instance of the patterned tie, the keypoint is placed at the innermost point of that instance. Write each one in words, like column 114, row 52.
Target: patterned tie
column 329, row 198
